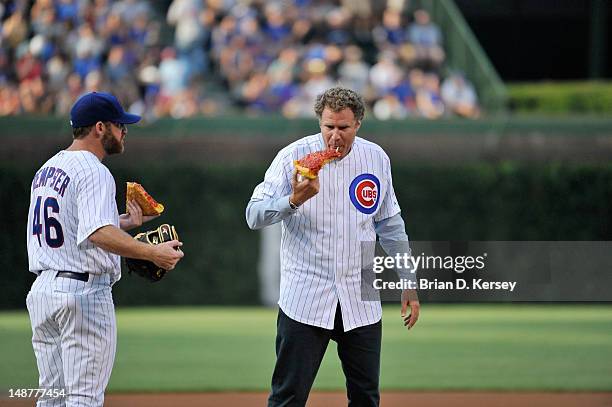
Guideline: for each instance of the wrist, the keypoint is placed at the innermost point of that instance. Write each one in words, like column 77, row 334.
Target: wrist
column 149, row 252
column 293, row 203
column 125, row 223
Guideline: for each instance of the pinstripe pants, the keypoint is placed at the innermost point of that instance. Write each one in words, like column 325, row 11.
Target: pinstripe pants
column 74, row 336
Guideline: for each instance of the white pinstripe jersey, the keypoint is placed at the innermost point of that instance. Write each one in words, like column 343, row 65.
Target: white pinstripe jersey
column 72, row 195
column 320, row 244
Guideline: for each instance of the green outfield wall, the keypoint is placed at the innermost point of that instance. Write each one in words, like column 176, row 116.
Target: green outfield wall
column 550, row 191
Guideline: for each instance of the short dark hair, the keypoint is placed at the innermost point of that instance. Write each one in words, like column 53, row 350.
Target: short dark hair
column 80, row 132
column 338, row 99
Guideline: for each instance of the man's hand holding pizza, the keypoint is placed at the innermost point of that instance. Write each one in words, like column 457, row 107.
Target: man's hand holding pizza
column 133, row 216
column 305, row 181
column 303, row 189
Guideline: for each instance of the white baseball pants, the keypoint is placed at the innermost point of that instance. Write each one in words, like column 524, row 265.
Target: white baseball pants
column 74, row 335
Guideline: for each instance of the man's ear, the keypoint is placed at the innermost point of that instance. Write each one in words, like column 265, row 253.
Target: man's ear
column 357, row 125
column 99, row 129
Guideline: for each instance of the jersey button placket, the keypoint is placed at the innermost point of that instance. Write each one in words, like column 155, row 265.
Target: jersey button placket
column 339, row 221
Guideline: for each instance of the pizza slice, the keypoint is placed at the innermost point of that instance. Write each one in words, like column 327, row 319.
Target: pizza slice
column 149, row 206
column 311, row 164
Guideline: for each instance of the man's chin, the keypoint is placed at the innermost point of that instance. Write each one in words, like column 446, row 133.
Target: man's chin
column 114, row 151
column 120, row 147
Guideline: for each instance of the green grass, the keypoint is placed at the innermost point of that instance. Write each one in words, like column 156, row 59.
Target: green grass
column 472, row 347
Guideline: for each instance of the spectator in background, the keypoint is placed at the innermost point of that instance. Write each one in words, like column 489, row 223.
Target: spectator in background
column 282, row 89
column 359, row 8
column 10, row 104
column 57, row 72
column 256, row 44
column 428, row 100
column 184, row 104
column 280, row 74
column 426, row 37
column 460, row 96
column 14, row 30
column 284, row 64
column 33, row 97
column 236, row 63
column 190, row 34
column 353, row 71
column 172, row 73
column 148, row 80
column 333, row 57
column 337, row 21
column 385, row 74
column 94, row 82
column 142, row 32
column 67, row 11
column 44, row 20
column 5, row 68
column 406, row 94
column 391, row 34
column 117, row 69
column 85, row 62
column 69, row 94
column 276, row 27
column 253, row 93
column 389, row 107
column 27, row 67
column 114, row 30
column 317, row 82
column 42, row 48
column 222, row 35
column 130, row 10
column 302, row 31
column 99, row 12
column 85, row 40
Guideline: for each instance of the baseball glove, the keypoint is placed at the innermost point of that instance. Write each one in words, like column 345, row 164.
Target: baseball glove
column 145, row 268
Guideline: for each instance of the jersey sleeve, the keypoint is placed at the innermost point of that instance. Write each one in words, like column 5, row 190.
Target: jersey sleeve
column 269, row 203
column 95, row 196
column 389, row 205
column 277, row 180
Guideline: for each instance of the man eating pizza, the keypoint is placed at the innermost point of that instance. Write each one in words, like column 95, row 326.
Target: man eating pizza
column 326, row 216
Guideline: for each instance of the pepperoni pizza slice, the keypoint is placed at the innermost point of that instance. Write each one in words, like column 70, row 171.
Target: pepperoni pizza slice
column 311, row 164
column 149, row 206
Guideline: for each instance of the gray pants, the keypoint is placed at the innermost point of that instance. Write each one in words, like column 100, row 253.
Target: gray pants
column 74, row 336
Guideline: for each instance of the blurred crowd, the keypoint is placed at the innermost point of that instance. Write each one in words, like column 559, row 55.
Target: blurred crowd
column 226, row 56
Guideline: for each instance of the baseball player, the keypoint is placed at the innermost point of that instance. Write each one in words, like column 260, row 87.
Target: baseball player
column 324, row 220
column 75, row 237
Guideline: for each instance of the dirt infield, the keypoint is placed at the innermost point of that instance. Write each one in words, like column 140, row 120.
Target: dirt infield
column 332, row 399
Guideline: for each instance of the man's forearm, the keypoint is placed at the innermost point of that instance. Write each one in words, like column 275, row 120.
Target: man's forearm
column 115, row 240
column 394, row 240
column 268, row 212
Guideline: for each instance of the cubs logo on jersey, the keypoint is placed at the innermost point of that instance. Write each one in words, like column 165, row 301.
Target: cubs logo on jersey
column 364, row 192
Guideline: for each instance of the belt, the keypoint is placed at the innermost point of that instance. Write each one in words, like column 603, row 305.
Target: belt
column 73, row 275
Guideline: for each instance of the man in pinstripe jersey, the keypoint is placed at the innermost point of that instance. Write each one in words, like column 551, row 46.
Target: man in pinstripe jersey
column 75, row 237
column 324, row 222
